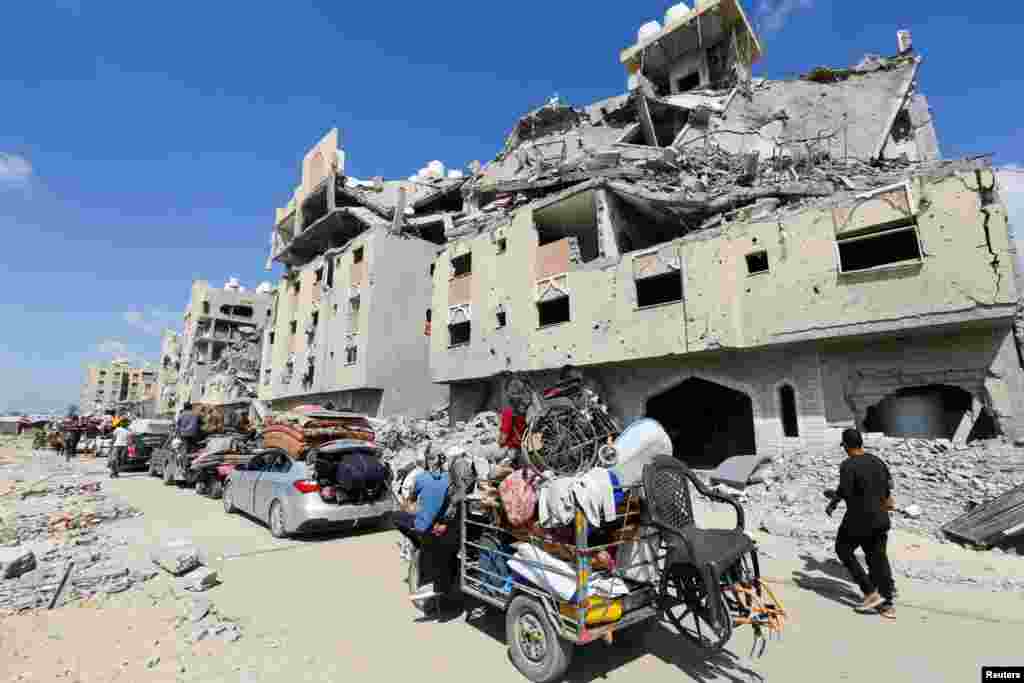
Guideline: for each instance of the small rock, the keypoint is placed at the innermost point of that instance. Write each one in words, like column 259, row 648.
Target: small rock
column 201, row 580
column 16, row 561
column 152, row 662
column 912, row 511
column 200, row 608
column 177, row 557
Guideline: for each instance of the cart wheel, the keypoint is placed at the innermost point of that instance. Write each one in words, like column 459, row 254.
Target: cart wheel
column 168, row 475
column 688, row 607
column 535, row 648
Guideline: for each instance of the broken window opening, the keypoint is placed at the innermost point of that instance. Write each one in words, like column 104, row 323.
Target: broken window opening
column 553, row 312
column 757, row 262
column 688, row 83
column 450, row 202
column 936, row 411
column 458, row 334
column 315, row 317
column 351, row 355
column 243, row 311
column 270, row 339
column 902, row 127
column 432, row 267
column 787, row 411
column 330, row 273
column 896, row 246
column 660, row 289
column 574, row 216
column 357, row 255
column 293, row 326
column 502, row 245
column 635, row 230
column 502, row 319
column 206, row 308
column 433, row 232
column 429, row 313
column 318, row 276
column 462, row 265
column 717, row 424
column 314, row 208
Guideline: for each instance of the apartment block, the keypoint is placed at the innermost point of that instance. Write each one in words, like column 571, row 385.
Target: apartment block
column 117, row 384
column 348, row 319
column 167, row 375
column 756, row 264
column 223, row 333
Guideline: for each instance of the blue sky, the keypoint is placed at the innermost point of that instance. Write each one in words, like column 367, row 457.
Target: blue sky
column 146, row 144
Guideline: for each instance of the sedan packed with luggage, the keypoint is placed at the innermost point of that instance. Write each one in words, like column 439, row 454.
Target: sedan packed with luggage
column 342, row 483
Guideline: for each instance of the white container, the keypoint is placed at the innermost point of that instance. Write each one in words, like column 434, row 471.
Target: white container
column 651, row 28
column 455, row 175
column 633, row 82
column 640, row 443
column 676, row 12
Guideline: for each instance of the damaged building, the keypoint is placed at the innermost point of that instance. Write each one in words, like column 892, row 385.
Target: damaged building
column 221, row 345
column 167, row 375
column 754, row 263
column 346, row 323
column 120, row 384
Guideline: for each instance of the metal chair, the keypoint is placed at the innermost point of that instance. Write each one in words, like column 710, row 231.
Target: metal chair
column 699, row 563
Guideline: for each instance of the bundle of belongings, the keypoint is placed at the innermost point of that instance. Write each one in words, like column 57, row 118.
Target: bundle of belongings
column 537, row 510
column 348, row 475
column 305, row 427
column 218, row 419
column 225, row 449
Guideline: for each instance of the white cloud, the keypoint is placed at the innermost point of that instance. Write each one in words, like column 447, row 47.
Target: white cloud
column 114, row 347
column 774, row 14
column 14, row 169
column 151, row 320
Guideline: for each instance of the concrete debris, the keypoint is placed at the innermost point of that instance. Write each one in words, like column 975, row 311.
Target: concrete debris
column 202, row 579
column 177, row 557
column 16, row 561
column 62, row 522
column 932, row 482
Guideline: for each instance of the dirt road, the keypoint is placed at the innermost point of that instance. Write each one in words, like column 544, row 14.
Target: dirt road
column 332, row 608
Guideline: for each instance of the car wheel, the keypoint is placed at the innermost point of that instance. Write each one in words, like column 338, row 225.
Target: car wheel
column 278, row 528
column 535, row 648
column 216, row 489
column 168, row 475
column 201, row 486
column 228, row 499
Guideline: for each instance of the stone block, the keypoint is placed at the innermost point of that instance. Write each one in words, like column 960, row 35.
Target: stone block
column 200, row 580
column 177, row 557
column 16, row 561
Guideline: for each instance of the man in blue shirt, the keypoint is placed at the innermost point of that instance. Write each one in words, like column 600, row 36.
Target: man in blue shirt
column 429, row 495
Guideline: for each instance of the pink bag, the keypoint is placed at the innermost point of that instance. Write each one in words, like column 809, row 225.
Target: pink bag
column 519, row 497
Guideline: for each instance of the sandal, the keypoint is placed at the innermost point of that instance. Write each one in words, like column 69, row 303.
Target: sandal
column 887, row 612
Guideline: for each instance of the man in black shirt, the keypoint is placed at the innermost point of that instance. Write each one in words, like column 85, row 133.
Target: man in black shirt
column 865, row 484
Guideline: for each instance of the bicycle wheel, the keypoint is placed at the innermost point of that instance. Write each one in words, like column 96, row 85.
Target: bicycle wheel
column 687, row 605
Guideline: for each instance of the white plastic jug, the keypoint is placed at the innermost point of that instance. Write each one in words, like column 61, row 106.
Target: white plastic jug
column 640, row 443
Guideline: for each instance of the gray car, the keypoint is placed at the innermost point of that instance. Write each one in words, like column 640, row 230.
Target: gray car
column 285, row 494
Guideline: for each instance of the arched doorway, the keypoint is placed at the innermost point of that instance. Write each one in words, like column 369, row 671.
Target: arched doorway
column 927, row 412
column 707, row 422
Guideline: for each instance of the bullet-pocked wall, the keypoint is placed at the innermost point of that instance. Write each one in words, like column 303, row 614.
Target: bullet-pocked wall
column 357, row 312
column 929, row 253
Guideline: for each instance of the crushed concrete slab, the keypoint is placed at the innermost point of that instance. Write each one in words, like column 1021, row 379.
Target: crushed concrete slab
column 737, row 471
column 16, row 561
column 202, row 579
column 177, row 557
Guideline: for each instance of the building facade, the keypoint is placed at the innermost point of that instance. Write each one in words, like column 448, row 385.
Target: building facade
column 348, row 319
column 710, row 258
column 167, row 375
column 220, row 324
column 118, row 384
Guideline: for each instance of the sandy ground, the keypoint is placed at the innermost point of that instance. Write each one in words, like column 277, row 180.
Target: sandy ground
column 334, row 607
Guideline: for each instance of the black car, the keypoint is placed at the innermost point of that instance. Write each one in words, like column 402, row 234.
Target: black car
column 147, row 436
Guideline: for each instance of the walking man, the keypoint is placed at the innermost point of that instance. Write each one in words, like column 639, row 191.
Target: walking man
column 120, row 451
column 865, row 485
column 417, row 520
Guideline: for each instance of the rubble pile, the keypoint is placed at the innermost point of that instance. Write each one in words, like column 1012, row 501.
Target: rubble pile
column 934, row 482
column 51, row 528
column 402, row 437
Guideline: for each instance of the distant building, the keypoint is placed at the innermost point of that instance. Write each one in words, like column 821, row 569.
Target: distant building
column 167, row 376
column 119, row 382
column 223, row 332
